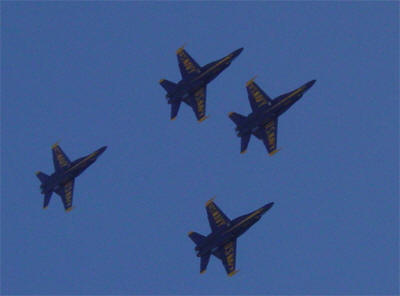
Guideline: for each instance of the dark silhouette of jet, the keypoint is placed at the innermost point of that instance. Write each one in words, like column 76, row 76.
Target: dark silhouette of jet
column 192, row 88
column 222, row 240
column 62, row 180
column 263, row 121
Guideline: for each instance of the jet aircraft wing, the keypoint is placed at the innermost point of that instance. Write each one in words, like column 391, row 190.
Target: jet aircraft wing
column 269, row 135
column 66, row 193
column 228, row 257
column 216, row 217
column 198, row 104
column 257, row 97
column 60, row 159
column 187, row 65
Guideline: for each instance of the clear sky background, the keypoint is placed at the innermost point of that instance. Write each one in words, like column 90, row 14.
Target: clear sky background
column 86, row 74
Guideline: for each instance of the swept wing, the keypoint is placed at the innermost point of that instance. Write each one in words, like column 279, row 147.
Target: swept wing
column 198, row 103
column 257, row 97
column 60, row 159
column 216, row 217
column 228, row 257
column 268, row 134
column 66, row 193
column 187, row 65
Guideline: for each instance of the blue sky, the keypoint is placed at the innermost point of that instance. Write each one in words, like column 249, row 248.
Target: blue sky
column 86, row 74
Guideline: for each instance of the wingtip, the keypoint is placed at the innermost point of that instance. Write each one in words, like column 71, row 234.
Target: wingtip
column 180, row 48
column 54, row 145
column 233, row 273
column 203, row 118
column 275, row 151
column 210, row 201
column 250, row 81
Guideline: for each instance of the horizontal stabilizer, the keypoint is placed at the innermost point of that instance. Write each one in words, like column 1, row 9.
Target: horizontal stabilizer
column 42, row 177
column 47, row 200
column 244, row 142
column 197, row 238
column 169, row 86
column 204, row 262
column 238, row 119
column 174, row 109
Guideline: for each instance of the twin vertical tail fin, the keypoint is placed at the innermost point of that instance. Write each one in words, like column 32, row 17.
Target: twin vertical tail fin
column 43, row 178
column 170, row 87
column 239, row 119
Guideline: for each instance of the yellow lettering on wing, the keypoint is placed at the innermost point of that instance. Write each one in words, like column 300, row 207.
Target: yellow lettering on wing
column 68, row 193
column 257, row 95
column 270, row 129
column 218, row 218
column 199, row 96
column 60, row 157
column 187, row 63
column 229, row 253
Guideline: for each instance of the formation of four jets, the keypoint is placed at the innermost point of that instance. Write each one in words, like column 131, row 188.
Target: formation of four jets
column 261, row 122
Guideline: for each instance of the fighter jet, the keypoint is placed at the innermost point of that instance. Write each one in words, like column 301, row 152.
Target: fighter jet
column 192, row 88
column 222, row 241
column 62, row 180
column 263, row 121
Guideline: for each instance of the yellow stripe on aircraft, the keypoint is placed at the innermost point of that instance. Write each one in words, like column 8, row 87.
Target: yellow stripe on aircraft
column 233, row 273
column 245, row 220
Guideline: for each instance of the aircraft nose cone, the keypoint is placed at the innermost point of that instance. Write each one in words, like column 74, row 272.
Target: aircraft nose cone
column 102, row 149
column 237, row 52
column 267, row 207
column 310, row 83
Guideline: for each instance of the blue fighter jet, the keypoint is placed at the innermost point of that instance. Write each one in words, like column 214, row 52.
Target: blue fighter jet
column 263, row 121
column 222, row 241
column 62, row 180
column 192, row 88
